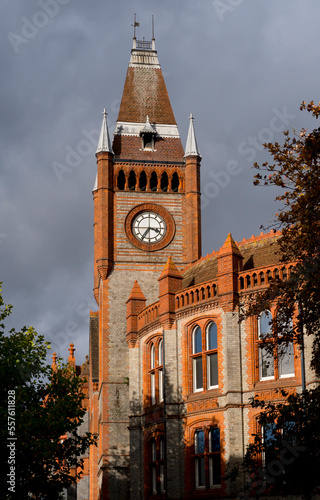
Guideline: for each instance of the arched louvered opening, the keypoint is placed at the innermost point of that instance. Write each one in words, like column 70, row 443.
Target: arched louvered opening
column 284, row 273
column 175, row 182
column 132, row 181
column 261, row 278
column 269, row 275
column 121, row 180
column 241, row 283
column 164, row 182
column 248, row 281
column 143, row 181
column 153, row 181
column 255, row 279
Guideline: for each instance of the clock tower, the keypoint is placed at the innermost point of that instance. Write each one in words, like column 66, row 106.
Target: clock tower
column 146, row 210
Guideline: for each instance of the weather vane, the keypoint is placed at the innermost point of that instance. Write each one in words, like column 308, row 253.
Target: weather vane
column 135, row 24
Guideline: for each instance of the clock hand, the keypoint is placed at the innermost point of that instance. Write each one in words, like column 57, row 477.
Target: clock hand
column 145, row 233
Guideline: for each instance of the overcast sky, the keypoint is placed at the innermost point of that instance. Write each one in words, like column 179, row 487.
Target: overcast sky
column 242, row 67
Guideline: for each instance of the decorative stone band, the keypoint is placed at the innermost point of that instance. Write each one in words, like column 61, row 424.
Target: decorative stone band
column 131, row 128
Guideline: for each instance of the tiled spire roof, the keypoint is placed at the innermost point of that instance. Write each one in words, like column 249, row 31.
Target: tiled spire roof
column 145, row 94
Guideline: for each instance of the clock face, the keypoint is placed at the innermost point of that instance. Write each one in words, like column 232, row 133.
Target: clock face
column 149, row 227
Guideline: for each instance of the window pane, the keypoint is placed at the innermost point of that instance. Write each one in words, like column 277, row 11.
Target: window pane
column 214, row 440
column 215, row 470
column 197, row 340
column 160, row 385
column 200, row 472
column 154, row 480
column 153, row 389
column 212, row 337
column 264, row 324
column 197, row 374
column 212, row 366
column 266, row 363
column 286, row 360
column 153, row 451
column 152, row 360
column 199, row 442
column 160, row 352
column 162, row 488
column 161, row 449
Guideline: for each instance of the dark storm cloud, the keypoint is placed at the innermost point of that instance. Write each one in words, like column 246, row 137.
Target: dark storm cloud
column 241, row 67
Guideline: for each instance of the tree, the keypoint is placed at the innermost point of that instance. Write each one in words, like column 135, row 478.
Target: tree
column 41, row 411
column 285, row 457
column 294, row 425
column 296, row 172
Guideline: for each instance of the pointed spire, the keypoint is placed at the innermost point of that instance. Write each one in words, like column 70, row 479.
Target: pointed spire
column 229, row 246
column 104, row 144
column 136, row 293
column 192, row 146
column 170, row 269
column 148, row 128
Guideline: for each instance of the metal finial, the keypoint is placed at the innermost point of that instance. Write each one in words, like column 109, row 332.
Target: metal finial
column 135, row 24
column 191, row 117
column 152, row 27
column 105, row 114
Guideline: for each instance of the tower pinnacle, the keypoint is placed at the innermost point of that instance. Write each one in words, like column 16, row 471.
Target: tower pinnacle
column 104, row 144
column 192, row 146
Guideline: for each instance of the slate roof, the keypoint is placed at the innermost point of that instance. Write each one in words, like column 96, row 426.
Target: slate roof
column 259, row 251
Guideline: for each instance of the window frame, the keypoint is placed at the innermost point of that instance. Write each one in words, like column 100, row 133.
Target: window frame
column 199, row 361
column 209, row 353
column 205, row 460
column 154, row 371
column 157, row 460
column 277, row 356
column 263, row 348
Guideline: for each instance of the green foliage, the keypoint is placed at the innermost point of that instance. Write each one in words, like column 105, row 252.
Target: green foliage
column 42, row 409
column 295, row 171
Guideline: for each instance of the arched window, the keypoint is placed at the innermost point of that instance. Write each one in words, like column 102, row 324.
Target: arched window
column 207, row 458
column 200, row 465
column 153, row 181
column 164, row 182
column 155, row 371
column 143, row 181
column 197, row 359
column 132, row 180
column 214, row 457
column 286, row 357
column 153, row 466
column 160, row 370
column 121, row 180
column 152, row 374
column 266, row 361
column 157, row 465
column 175, row 182
column 212, row 355
column 162, row 455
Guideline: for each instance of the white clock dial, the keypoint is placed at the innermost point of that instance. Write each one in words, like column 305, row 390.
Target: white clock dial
column 149, row 227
